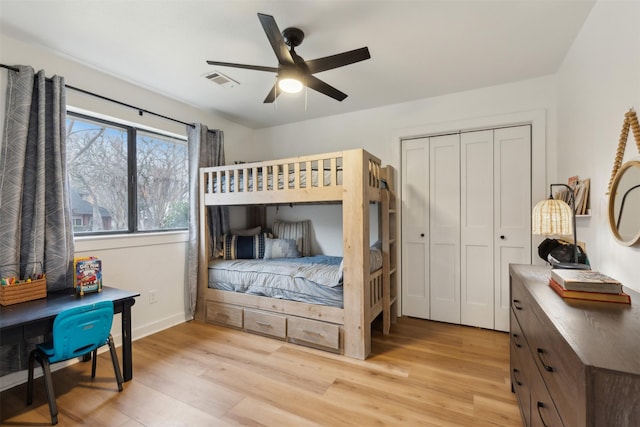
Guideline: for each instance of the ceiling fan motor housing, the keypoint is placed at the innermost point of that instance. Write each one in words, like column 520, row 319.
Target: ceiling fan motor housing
column 293, row 36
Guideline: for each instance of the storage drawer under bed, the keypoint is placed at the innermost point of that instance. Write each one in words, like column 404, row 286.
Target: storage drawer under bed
column 223, row 314
column 312, row 332
column 265, row 323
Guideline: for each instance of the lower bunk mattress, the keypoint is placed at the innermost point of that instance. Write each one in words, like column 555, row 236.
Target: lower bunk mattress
column 314, row 280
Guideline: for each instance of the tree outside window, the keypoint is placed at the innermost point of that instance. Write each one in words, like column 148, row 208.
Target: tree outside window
column 124, row 179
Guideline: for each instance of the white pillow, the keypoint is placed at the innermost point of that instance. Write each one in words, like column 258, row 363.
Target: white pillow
column 280, row 248
column 298, row 231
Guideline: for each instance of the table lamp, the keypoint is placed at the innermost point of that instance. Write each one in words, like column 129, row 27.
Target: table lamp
column 556, row 217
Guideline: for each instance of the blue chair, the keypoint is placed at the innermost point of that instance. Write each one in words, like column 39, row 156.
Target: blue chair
column 76, row 332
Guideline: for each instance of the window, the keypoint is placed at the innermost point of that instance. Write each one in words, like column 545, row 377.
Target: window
column 125, row 179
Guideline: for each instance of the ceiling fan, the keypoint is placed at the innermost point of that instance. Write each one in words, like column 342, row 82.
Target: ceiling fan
column 293, row 72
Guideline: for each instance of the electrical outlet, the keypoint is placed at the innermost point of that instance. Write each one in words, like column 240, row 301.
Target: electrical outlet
column 153, row 296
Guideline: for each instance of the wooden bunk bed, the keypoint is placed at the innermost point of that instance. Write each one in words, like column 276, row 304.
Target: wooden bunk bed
column 354, row 178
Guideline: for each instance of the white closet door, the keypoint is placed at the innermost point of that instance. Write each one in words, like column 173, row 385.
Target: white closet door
column 512, row 211
column 415, row 228
column 444, row 228
column 476, row 229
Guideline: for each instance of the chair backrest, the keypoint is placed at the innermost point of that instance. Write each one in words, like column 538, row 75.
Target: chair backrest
column 79, row 330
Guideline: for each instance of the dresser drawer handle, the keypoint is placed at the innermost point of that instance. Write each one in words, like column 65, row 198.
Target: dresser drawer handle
column 541, row 405
column 515, row 376
column 266, row 324
column 546, row 366
column 515, row 340
column 222, row 315
column 306, row 331
column 516, row 304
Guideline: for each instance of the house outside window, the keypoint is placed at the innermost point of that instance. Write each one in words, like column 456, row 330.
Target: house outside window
column 124, row 179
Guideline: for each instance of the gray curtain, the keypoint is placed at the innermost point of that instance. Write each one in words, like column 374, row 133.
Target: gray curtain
column 206, row 148
column 35, row 213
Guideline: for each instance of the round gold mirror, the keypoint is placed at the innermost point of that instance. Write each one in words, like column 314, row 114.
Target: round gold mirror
column 624, row 204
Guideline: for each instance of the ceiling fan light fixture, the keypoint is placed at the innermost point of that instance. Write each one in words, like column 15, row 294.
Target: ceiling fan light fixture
column 290, row 85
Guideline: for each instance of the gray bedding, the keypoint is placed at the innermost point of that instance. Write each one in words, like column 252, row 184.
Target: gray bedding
column 314, row 280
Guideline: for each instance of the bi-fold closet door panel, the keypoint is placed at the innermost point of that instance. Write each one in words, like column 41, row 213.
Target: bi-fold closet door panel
column 476, row 228
column 512, row 212
column 415, row 228
column 444, row 228
column 465, row 217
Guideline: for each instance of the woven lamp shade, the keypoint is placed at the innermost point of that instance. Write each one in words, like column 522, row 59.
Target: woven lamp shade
column 552, row 217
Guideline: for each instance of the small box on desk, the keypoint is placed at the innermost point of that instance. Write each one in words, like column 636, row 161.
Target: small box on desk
column 14, row 290
column 23, row 291
column 87, row 275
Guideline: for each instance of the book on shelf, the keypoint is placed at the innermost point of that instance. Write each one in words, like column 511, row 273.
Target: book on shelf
column 621, row 298
column 580, row 190
column 586, row 280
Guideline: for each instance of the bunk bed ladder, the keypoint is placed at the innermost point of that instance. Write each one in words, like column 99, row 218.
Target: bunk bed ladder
column 389, row 268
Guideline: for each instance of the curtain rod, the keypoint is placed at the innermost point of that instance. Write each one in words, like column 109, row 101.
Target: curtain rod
column 86, row 92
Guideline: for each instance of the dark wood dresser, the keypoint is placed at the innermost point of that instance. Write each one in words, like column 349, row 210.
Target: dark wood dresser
column 573, row 363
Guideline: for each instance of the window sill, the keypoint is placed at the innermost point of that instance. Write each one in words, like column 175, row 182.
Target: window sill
column 118, row 241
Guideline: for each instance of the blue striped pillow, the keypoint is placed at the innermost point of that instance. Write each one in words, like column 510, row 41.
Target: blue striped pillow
column 243, row 247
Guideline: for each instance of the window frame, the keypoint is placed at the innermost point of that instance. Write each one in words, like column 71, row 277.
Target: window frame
column 132, row 172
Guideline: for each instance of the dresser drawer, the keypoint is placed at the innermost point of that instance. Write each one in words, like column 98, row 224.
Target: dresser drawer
column 265, row 323
column 520, row 385
column 521, row 304
column 312, row 332
column 561, row 370
column 521, row 366
column 543, row 410
column 223, row 314
column 517, row 338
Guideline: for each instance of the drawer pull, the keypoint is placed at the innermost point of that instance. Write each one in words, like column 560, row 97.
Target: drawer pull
column 223, row 315
column 516, row 304
column 515, row 377
column 265, row 324
column 546, row 366
column 515, row 340
column 306, row 331
column 541, row 405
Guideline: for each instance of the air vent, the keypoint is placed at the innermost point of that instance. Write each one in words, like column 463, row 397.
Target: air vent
column 220, row 79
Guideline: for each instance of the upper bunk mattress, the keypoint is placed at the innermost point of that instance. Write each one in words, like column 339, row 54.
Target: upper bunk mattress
column 314, row 280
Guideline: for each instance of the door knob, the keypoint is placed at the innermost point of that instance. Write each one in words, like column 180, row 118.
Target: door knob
column 502, row 237
column 421, row 234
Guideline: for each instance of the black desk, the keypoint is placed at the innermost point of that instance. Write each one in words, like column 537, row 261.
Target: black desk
column 33, row 318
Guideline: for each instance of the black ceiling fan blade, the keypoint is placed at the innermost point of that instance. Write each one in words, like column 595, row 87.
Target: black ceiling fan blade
column 245, row 66
column 338, row 60
column 275, row 38
column 322, row 87
column 272, row 95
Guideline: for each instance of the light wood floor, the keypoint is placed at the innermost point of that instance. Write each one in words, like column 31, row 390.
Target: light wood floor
column 424, row 373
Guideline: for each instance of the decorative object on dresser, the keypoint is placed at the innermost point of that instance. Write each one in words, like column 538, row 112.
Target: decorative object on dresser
column 621, row 297
column 573, row 363
column 554, row 217
column 586, row 280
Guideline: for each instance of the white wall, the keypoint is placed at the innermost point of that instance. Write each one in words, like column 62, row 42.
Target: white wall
column 142, row 262
column 597, row 84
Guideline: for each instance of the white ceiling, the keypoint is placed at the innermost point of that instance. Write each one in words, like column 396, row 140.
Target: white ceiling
column 419, row 49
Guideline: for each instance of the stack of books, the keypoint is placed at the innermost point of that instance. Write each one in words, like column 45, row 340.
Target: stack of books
column 587, row 285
